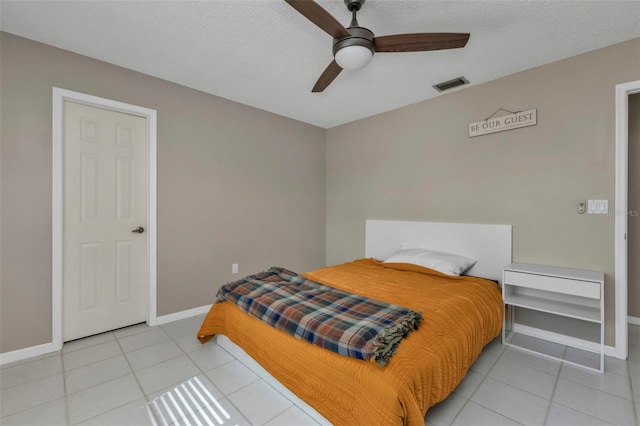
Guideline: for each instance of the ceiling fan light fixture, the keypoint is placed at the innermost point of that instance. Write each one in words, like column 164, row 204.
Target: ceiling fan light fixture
column 353, row 57
column 355, row 51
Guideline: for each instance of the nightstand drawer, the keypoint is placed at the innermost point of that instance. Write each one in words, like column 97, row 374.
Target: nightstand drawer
column 555, row 284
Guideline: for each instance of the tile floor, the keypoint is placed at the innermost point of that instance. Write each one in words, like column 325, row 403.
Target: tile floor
column 144, row 375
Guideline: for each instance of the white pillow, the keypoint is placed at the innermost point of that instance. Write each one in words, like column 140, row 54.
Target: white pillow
column 447, row 263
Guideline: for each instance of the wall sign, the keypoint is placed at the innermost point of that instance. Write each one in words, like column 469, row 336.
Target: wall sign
column 505, row 122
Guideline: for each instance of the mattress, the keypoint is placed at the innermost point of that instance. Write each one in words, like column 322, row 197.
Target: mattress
column 460, row 316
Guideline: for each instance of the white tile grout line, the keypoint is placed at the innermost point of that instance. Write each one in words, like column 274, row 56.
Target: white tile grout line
column 633, row 397
column 589, row 387
column 550, row 400
column 34, row 380
column 600, row 390
column 29, row 360
column 581, row 412
column 484, row 376
column 132, row 372
column 553, row 393
column 67, row 410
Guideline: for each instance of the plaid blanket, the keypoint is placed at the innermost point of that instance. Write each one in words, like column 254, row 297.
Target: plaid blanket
column 337, row 320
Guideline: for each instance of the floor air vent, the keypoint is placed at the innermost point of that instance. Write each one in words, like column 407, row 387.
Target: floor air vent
column 446, row 85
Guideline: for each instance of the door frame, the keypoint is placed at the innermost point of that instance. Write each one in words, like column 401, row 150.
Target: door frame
column 59, row 97
column 623, row 91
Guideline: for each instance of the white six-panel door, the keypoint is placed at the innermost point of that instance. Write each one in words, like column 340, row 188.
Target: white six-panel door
column 104, row 262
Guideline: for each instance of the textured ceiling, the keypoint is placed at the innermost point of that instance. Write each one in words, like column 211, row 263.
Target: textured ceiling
column 264, row 54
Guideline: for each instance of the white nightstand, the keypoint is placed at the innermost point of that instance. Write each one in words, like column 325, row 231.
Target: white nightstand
column 565, row 293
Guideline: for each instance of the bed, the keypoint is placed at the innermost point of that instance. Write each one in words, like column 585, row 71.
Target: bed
column 460, row 316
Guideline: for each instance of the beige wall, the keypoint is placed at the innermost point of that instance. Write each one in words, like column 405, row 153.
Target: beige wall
column 634, row 207
column 417, row 163
column 235, row 185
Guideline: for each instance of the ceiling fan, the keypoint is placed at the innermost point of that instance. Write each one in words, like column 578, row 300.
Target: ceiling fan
column 353, row 47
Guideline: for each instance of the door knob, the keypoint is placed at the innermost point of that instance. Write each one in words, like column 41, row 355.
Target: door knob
column 138, row 230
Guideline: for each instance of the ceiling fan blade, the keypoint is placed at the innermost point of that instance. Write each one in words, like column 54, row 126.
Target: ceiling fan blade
column 420, row 42
column 319, row 16
column 328, row 75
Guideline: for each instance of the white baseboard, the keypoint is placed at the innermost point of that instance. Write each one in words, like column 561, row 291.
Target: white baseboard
column 30, row 352
column 563, row 339
column 181, row 315
column 33, row 351
column 633, row 320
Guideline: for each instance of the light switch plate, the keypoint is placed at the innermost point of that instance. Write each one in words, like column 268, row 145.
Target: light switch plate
column 598, row 207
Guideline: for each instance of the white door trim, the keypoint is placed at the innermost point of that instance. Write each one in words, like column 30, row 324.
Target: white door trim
column 622, row 182
column 59, row 96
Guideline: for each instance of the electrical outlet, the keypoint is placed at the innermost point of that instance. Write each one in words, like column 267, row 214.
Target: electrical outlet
column 234, row 268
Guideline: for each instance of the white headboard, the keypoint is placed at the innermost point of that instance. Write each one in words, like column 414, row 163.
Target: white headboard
column 489, row 244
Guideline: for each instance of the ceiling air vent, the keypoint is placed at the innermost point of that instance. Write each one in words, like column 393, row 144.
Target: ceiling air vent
column 446, row 85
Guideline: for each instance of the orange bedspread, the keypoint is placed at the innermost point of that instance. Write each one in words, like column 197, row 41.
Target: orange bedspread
column 460, row 316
